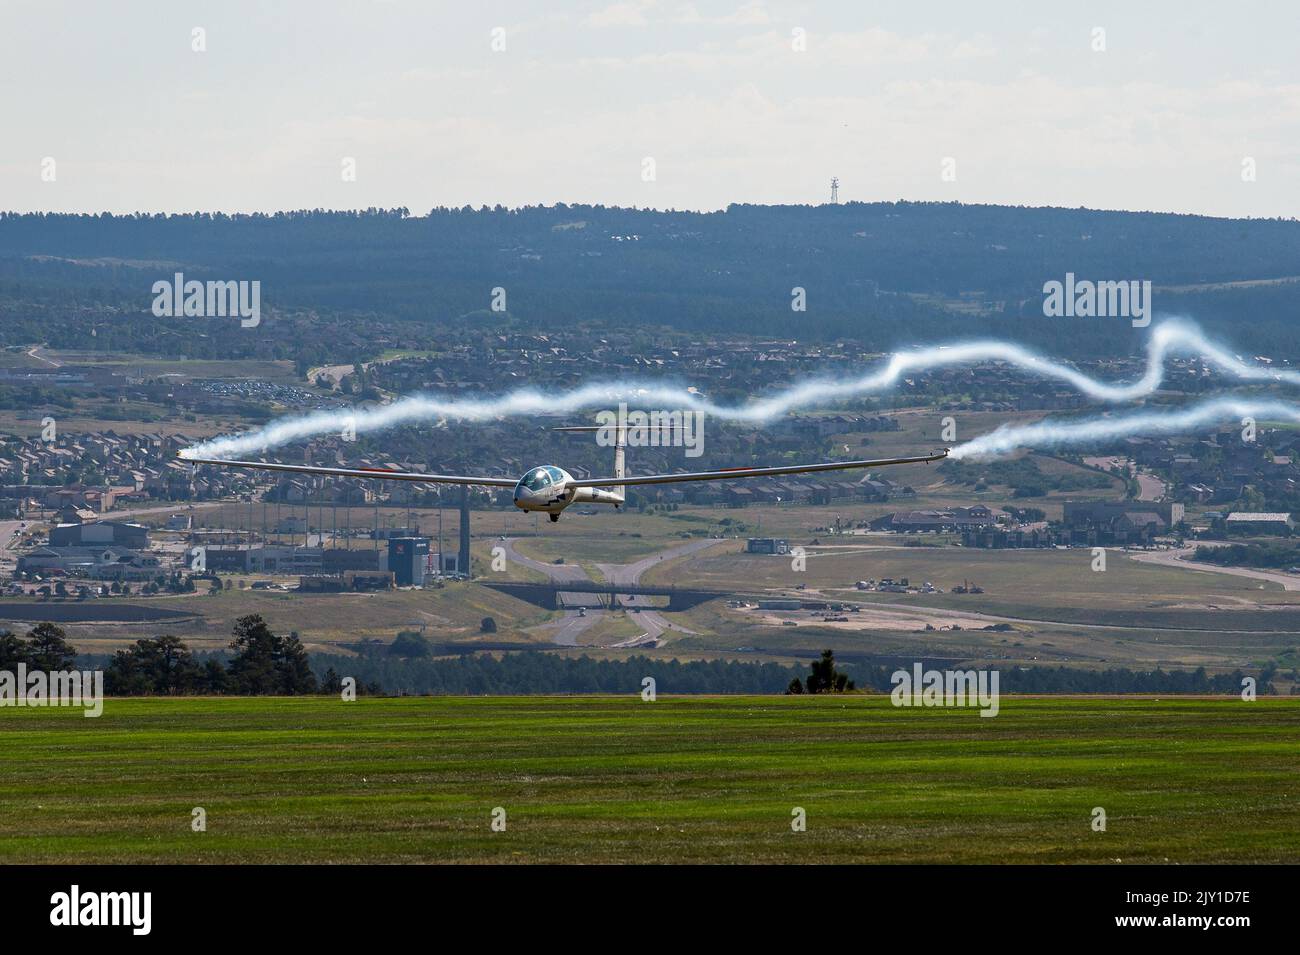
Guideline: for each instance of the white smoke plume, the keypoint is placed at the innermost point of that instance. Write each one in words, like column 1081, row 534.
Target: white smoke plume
column 1051, row 433
column 1173, row 337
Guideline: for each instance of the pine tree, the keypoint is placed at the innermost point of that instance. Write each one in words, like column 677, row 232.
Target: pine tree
column 253, row 667
column 48, row 650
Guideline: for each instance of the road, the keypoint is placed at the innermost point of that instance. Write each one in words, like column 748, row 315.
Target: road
column 566, row 631
column 556, row 573
column 1181, row 558
column 863, row 619
column 629, row 575
column 335, row 373
column 177, row 507
column 8, row 556
column 36, row 354
column 1150, row 487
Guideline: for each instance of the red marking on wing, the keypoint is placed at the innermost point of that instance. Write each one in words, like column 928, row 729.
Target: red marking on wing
column 380, row 470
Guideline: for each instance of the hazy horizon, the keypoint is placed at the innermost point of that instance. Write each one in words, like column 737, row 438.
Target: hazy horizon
column 736, row 102
column 424, row 212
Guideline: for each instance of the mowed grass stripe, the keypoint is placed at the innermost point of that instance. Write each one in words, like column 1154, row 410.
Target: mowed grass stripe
column 682, row 779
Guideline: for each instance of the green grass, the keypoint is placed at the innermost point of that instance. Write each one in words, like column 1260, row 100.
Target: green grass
column 682, row 779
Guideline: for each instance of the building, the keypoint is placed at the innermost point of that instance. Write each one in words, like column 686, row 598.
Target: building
column 259, row 558
column 96, row 563
column 913, row 522
column 1079, row 513
column 228, row 558
column 408, row 559
column 363, row 580
column 976, row 516
column 76, row 515
column 337, row 560
column 1254, row 522
column 766, row 545
column 1119, row 523
column 95, row 533
column 369, row 579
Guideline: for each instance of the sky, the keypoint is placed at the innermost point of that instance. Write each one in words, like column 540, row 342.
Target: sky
column 1183, row 107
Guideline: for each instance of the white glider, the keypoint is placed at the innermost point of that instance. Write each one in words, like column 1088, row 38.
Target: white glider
column 551, row 489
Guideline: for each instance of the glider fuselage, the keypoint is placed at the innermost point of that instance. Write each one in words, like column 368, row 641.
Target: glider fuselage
column 549, row 488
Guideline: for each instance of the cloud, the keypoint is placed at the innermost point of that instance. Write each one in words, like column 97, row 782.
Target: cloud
column 748, row 14
column 640, row 13
column 629, row 13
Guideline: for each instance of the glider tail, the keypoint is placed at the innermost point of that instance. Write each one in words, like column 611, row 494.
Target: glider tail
column 615, row 494
column 620, row 452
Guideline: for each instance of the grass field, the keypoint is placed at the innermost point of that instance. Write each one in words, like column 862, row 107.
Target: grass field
column 323, row 620
column 1134, row 614
column 682, row 779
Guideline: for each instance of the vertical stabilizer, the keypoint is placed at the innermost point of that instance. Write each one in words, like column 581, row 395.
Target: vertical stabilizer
column 620, row 453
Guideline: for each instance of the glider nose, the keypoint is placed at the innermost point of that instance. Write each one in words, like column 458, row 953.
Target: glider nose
column 519, row 493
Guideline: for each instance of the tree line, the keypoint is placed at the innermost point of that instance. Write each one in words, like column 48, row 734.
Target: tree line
column 533, row 672
column 263, row 663
column 1271, row 555
column 1049, row 680
column 260, row 663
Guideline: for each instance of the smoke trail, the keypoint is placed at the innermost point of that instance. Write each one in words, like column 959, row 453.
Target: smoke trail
column 1168, row 338
column 1055, row 434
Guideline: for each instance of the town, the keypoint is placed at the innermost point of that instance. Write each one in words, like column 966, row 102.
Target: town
column 101, row 513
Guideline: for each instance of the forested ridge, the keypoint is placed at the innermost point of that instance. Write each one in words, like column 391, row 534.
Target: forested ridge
column 886, row 274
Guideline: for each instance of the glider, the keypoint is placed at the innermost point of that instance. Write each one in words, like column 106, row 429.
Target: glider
column 551, row 489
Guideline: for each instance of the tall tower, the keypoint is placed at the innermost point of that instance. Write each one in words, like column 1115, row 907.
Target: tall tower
column 835, row 189
column 462, row 560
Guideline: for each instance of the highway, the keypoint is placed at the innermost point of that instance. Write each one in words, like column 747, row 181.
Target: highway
column 629, row 575
column 566, row 632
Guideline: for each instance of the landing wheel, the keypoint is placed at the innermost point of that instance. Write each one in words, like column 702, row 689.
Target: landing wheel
column 554, row 518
